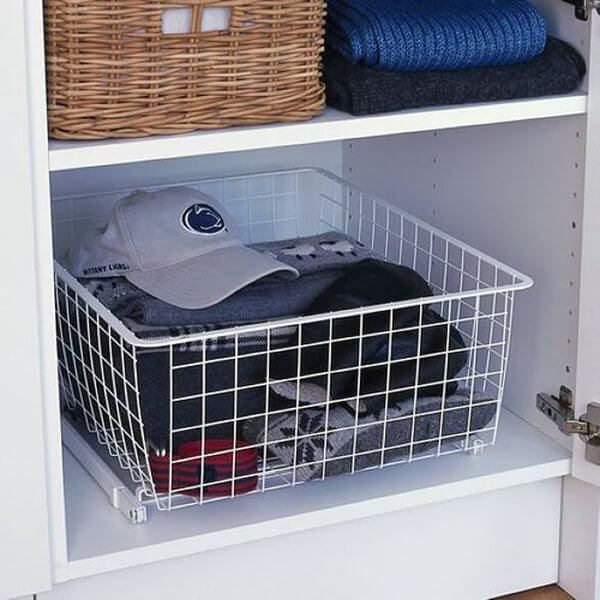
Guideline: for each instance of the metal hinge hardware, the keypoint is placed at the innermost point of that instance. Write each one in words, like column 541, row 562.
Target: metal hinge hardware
column 587, row 426
column 583, row 8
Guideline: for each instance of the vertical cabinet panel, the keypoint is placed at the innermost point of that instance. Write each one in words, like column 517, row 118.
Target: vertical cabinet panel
column 24, row 537
column 588, row 358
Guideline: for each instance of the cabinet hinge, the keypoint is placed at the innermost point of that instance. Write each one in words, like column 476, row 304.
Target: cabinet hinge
column 583, row 8
column 587, row 426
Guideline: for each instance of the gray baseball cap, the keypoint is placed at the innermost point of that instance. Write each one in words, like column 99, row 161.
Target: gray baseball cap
column 177, row 244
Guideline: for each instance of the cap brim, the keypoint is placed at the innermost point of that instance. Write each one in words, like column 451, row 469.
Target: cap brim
column 205, row 280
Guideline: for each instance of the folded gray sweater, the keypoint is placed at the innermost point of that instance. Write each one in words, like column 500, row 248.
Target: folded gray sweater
column 299, row 438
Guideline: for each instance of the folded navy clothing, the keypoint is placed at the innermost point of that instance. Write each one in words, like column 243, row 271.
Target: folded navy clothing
column 419, row 35
column 360, row 90
column 203, row 397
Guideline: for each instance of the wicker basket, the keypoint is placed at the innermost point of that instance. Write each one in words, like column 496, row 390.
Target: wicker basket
column 113, row 71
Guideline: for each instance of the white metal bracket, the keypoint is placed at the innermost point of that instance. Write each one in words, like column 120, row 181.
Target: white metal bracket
column 560, row 410
column 583, row 8
column 118, row 494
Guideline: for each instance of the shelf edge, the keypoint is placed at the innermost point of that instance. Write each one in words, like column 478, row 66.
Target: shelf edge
column 331, row 126
column 312, row 520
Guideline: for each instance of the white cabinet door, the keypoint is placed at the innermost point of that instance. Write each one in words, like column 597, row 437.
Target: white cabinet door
column 580, row 532
column 24, row 535
column 588, row 362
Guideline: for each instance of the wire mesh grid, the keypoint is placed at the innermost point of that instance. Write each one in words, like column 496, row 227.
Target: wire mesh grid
column 208, row 416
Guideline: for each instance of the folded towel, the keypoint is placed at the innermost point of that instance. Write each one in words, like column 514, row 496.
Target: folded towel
column 418, row 35
column 361, row 90
column 299, row 438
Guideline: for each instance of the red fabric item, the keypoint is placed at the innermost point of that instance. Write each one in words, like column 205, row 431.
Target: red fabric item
column 216, row 468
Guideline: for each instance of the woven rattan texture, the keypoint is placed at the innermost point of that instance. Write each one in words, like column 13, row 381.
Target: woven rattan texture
column 113, row 72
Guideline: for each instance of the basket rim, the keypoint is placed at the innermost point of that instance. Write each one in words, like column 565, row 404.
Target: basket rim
column 522, row 281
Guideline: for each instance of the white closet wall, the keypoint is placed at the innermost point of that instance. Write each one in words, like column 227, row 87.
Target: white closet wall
column 516, row 192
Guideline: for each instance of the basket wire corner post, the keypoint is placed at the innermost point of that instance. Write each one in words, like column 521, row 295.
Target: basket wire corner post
column 199, row 418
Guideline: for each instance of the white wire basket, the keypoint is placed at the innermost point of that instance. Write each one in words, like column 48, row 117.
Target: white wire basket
column 112, row 378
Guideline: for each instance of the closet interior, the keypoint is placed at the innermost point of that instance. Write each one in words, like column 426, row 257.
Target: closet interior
column 505, row 178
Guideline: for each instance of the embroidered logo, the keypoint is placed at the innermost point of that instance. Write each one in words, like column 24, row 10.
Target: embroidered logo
column 201, row 218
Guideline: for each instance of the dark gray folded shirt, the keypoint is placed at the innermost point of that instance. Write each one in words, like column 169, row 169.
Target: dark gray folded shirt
column 362, row 90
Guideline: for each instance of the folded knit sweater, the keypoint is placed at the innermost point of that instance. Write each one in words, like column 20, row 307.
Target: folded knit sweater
column 362, row 90
column 417, row 35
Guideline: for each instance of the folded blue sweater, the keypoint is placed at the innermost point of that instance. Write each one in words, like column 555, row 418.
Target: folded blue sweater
column 416, row 35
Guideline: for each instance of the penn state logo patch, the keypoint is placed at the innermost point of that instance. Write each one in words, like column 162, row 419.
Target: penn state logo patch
column 201, row 218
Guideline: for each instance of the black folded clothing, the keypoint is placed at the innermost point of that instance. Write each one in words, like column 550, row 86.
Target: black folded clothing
column 426, row 351
column 362, row 90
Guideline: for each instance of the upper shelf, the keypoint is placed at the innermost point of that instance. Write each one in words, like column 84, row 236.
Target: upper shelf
column 331, row 125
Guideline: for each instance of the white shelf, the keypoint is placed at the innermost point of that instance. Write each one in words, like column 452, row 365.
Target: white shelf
column 101, row 539
column 331, row 125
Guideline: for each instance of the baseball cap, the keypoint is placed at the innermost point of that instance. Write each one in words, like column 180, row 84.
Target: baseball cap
column 177, row 244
